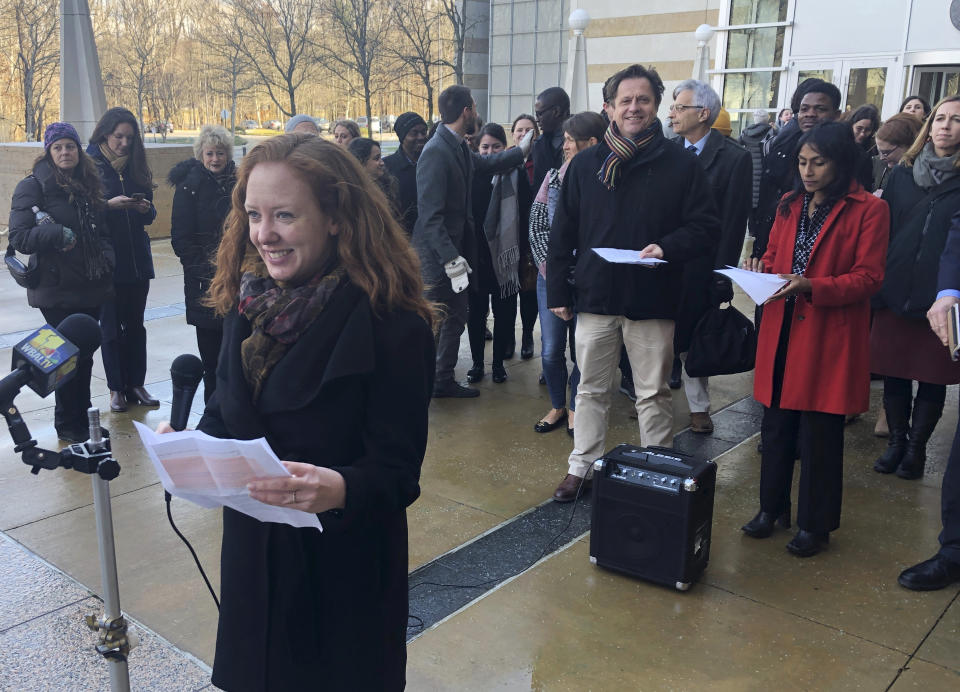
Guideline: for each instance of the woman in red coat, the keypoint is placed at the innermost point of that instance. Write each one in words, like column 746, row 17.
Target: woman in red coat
column 829, row 239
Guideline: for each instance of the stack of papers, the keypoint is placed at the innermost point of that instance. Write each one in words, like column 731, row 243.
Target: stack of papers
column 617, row 256
column 212, row 472
column 756, row 285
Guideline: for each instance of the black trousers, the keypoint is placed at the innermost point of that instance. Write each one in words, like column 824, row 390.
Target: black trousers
column 124, row 346
column 528, row 310
column 208, row 342
column 819, row 437
column 950, row 503
column 504, row 321
column 72, row 398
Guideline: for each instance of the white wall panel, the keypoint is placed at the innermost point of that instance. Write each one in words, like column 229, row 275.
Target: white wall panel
column 829, row 27
column 930, row 27
column 649, row 48
column 632, row 8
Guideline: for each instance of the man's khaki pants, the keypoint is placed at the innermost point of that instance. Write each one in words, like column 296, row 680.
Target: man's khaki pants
column 649, row 345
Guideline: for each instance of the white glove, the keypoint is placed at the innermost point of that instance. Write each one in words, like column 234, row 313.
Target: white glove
column 526, row 144
column 458, row 270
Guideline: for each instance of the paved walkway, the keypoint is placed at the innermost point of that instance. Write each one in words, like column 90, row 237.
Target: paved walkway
column 518, row 606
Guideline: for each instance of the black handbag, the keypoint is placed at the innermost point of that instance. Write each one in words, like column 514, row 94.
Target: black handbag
column 724, row 342
column 27, row 276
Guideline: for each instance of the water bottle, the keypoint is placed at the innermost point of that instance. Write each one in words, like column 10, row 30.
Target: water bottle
column 41, row 216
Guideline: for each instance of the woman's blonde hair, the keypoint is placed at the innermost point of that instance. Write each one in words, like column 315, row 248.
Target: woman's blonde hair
column 370, row 245
column 213, row 136
column 914, row 151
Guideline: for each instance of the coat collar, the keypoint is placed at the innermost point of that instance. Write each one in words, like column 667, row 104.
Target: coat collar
column 855, row 193
column 713, row 145
column 337, row 345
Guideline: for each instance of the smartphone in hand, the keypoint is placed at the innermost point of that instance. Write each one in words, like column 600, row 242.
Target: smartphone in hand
column 139, row 196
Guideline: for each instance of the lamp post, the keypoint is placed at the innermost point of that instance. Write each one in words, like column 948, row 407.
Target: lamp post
column 82, row 100
column 576, row 79
column 701, row 63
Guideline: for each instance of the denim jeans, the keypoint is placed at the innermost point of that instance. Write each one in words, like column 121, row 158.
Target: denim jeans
column 553, row 335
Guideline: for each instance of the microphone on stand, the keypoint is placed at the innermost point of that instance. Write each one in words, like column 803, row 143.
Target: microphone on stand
column 186, row 373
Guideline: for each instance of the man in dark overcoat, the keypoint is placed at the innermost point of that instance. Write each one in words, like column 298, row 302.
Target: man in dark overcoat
column 730, row 172
column 633, row 191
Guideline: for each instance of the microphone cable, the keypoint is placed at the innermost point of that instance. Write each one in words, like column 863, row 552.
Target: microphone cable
column 167, row 498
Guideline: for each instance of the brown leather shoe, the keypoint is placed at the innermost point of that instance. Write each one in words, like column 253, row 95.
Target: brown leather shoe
column 118, row 402
column 701, row 423
column 139, row 395
column 569, row 489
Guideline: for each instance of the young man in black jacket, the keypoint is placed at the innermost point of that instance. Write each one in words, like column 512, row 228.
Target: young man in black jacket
column 411, row 132
column 634, row 191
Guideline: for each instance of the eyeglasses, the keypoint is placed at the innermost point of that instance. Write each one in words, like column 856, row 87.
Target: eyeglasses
column 680, row 108
column 886, row 153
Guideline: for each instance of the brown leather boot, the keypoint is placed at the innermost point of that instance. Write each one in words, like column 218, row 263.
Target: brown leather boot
column 118, row 402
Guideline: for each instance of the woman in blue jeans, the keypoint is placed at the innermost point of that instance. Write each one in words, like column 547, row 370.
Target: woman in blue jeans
column 579, row 132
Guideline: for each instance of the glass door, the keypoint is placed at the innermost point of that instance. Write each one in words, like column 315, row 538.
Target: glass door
column 859, row 81
column 933, row 83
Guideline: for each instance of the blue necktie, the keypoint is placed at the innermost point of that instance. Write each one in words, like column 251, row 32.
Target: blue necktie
column 693, row 148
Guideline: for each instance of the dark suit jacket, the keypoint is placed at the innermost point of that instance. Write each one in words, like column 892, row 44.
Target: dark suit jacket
column 730, row 172
column 300, row 609
column 405, row 171
column 948, row 278
column 444, row 228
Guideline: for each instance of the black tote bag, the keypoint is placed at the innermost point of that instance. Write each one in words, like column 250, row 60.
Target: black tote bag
column 724, row 342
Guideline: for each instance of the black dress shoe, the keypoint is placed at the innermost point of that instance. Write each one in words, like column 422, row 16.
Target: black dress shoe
column 628, row 389
column 487, row 336
column 499, row 374
column 526, row 346
column 930, row 575
column 454, row 390
column 140, row 396
column 543, row 426
column 79, row 434
column 543, row 379
column 808, row 543
column 475, row 374
column 762, row 525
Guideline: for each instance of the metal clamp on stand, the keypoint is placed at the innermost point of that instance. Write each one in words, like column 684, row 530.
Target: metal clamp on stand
column 95, row 459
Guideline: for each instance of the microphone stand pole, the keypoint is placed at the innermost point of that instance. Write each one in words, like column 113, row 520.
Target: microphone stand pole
column 94, row 459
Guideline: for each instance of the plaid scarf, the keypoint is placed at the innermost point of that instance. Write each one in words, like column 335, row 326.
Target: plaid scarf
column 622, row 149
column 278, row 315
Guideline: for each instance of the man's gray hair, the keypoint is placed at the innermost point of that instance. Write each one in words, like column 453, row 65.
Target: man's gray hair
column 703, row 95
column 760, row 116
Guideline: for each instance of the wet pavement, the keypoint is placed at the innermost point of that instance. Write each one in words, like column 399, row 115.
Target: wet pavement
column 513, row 601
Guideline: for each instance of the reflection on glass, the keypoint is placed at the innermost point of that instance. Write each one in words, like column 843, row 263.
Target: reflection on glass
column 825, row 75
column 749, row 90
column 935, row 84
column 758, row 11
column 866, row 86
column 755, row 47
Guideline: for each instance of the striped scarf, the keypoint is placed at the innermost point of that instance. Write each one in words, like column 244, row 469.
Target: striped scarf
column 622, row 149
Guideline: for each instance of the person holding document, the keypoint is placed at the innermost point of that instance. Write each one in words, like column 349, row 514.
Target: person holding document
column 829, row 240
column 324, row 326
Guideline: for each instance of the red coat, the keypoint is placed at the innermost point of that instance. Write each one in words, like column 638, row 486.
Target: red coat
column 828, row 355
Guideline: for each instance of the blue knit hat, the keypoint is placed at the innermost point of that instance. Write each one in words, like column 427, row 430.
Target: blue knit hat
column 57, row 131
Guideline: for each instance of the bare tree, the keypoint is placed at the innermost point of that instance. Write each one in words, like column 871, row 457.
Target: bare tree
column 419, row 51
column 229, row 68
column 456, row 14
column 277, row 43
column 36, row 57
column 361, row 26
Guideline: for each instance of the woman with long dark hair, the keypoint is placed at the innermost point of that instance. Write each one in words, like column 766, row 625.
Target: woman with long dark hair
column 923, row 192
column 864, row 123
column 529, row 310
column 201, row 200
column 501, row 208
column 324, row 322
column 368, row 153
column 74, row 254
column 916, row 106
column 117, row 147
column 829, row 239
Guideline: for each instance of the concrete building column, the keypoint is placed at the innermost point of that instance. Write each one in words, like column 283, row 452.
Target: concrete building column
column 82, row 100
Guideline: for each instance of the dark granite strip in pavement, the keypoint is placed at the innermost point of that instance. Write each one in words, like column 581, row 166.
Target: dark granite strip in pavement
column 11, row 339
column 451, row 581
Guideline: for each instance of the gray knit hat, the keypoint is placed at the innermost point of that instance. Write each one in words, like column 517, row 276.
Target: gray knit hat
column 296, row 120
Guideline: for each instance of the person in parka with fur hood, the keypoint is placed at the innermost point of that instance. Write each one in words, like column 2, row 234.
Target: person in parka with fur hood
column 201, row 201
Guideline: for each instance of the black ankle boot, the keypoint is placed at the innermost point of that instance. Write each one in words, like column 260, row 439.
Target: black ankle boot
column 499, row 373
column 808, row 543
column 526, row 346
column 925, row 417
column 762, row 525
column 898, row 420
column 475, row 374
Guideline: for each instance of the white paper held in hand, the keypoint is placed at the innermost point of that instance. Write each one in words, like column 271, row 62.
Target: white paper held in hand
column 756, row 285
column 618, row 256
column 212, row 472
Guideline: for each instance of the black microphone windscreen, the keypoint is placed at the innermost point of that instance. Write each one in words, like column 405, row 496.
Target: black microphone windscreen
column 82, row 331
column 186, row 370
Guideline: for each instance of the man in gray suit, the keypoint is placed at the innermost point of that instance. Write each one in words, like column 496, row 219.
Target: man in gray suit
column 444, row 233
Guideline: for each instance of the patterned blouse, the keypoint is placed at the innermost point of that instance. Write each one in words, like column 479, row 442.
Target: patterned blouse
column 808, row 228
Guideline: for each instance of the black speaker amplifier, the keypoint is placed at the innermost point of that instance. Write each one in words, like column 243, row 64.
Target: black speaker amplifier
column 652, row 514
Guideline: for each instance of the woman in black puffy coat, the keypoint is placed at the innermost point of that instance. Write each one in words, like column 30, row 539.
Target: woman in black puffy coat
column 73, row 253
column 117, row 147
column 201, row 202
